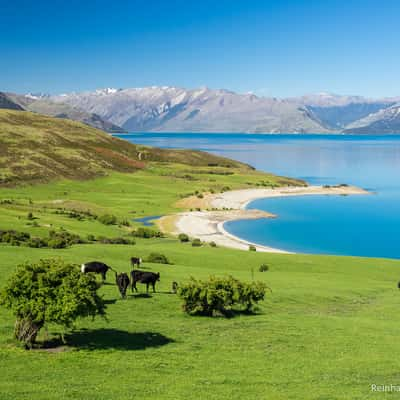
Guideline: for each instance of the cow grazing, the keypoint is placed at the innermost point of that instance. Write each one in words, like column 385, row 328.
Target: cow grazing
column 136, row 261
column 174, row 287
column 97, row 267
column 147, row 278
column 122, row 281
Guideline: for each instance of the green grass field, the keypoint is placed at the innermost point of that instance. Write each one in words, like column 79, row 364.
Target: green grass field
column 328, row 331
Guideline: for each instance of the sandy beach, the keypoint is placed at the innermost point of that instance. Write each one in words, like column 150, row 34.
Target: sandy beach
column 208, row 226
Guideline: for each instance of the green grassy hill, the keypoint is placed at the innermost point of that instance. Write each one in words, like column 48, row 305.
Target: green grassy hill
column 328, row 331
column 35, row 148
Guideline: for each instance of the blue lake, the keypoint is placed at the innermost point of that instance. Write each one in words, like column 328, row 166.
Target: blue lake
column 347, row 225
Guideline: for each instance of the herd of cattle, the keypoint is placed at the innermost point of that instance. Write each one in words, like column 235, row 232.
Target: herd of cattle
column 122, row 279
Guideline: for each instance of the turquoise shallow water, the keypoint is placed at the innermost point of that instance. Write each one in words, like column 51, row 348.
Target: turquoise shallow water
column 347, row 225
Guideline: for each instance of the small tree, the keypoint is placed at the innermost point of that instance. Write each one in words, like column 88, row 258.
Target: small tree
column 263, row 268
column 252, row 248
column 157, row 258
column 220, row 295
column 183, row 237
column 108, row 219
column 196, row 242
column 49, row 291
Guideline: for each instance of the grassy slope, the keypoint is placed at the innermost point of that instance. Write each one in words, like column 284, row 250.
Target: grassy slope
column 35, row 148
column 328, row 331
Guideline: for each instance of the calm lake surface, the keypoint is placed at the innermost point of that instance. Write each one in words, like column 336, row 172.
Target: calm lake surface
column 346, row 225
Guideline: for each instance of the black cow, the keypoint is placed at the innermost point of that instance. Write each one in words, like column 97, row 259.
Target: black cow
column 148, row 278
column 136, row 261
column 122, row 281
column 97, row 267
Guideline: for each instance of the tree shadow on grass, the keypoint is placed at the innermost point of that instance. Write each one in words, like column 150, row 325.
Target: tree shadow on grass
column 140, row 295
column 108, row 339
column 110, row 301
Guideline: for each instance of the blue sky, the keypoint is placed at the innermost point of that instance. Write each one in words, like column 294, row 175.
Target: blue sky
column 272, row 48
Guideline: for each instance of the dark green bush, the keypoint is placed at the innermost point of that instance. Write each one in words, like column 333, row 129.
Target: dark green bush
column 146, row 233
column 157, row 258
column 107, row 219
column 196, row 242
column 252, row 248
column 263, row 268
column 117, row 240
column 213, row 244
column 36, row 242
column 14, row 238
column 62, row 236
column 57, row 243
column 183, row 237
column 49, row 291
column 220, row 295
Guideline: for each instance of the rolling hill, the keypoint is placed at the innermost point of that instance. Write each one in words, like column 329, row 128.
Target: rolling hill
column 36, row 148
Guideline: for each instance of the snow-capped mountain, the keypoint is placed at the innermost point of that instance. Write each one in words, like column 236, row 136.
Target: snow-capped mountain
column 172, row 109
column 381, row 122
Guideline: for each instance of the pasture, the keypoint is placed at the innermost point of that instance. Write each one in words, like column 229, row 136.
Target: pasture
column 328, row 331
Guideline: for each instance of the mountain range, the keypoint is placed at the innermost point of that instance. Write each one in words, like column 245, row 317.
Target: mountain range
column 173, row 109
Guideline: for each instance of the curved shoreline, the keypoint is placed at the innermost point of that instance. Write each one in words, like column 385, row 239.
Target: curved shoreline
column 208, row 226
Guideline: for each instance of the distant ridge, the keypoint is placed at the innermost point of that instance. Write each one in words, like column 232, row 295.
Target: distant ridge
column 172, row 109
column 7, row 103
column 41, row 103
column 175, row 109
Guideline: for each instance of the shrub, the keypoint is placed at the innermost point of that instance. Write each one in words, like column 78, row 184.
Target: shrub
column 200, row 196
column 30, row 216
column 117, row 240
column 107, row 219
column 57, row 243
column 49, row 291
column 91, row 238
column 196, row 242
column 263, row 268
column 183, row 237
column 157, row 258
column 252, row 248
column 62, row 238
column 146, row 233
column 220, row 295
column 14, row 238
column 36, row 242
column 213, row 244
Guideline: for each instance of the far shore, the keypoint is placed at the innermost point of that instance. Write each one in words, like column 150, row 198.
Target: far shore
column 208, row 226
